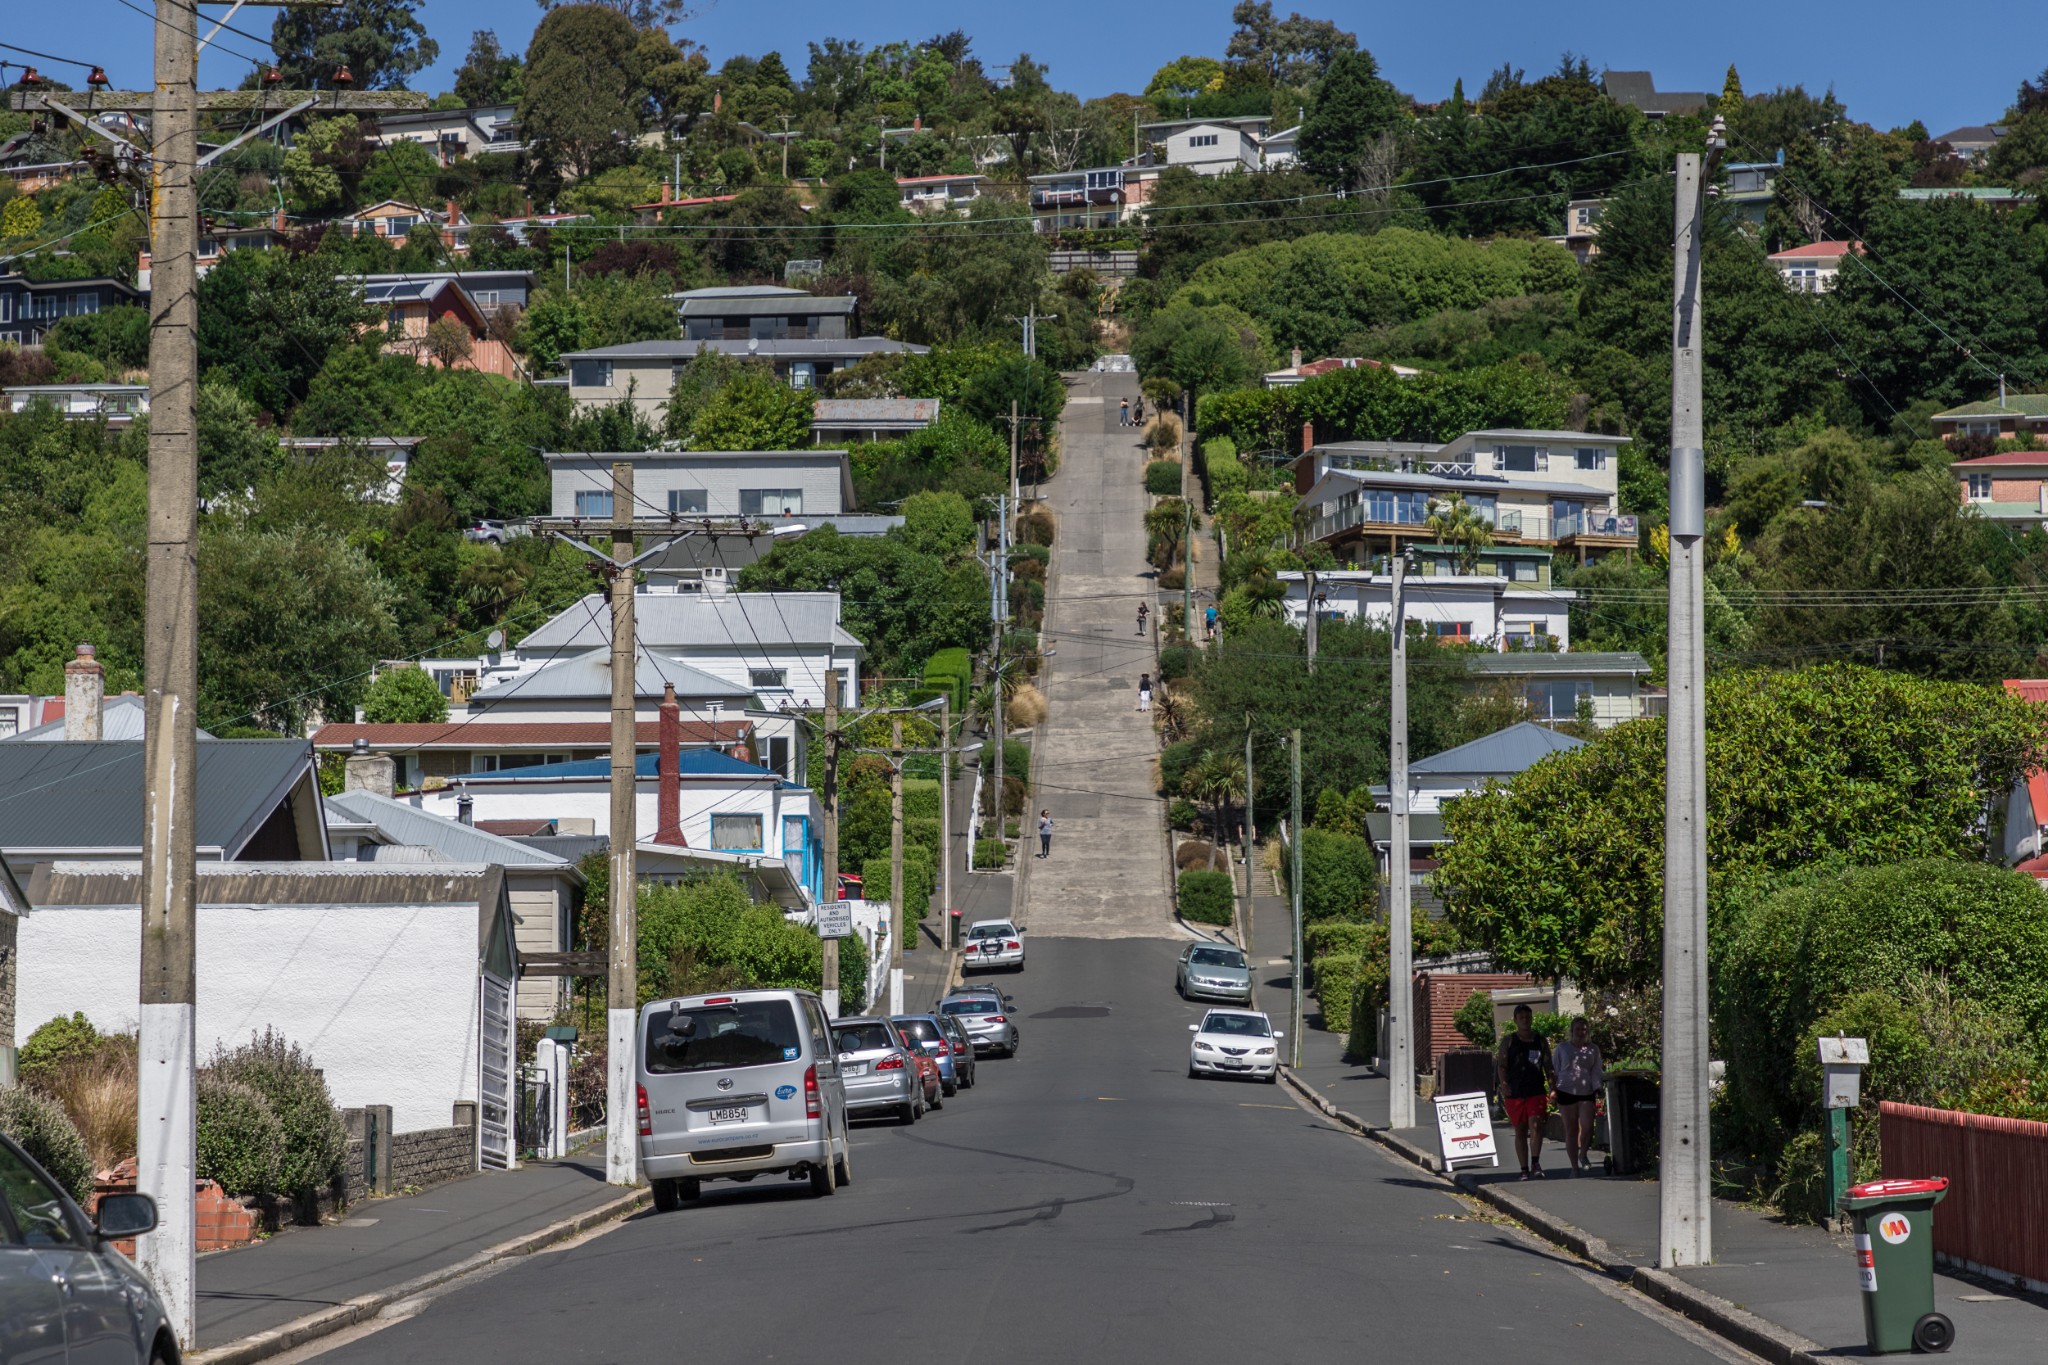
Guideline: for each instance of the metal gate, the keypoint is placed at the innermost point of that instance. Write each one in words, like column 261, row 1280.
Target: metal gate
column 495, row 1076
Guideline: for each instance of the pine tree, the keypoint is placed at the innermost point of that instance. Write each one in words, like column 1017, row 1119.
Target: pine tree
column 1731, row 93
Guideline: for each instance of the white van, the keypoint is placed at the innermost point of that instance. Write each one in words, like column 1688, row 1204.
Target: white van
column 737, row 1085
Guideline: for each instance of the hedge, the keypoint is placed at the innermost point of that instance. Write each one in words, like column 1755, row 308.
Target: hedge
column 1338, row 873
column 920, row 879
column 950, row 670
column 920, row 798
column 1174, row 761
column 1162, row 478
column 990, row 853
column 1336, row 976
column 1206, row 897
column 1333, row 936
column 284, row 1075
column 1176, row 662
column 1016, row 759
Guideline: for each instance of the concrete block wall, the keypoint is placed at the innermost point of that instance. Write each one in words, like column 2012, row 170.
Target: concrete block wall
column 432, row 1155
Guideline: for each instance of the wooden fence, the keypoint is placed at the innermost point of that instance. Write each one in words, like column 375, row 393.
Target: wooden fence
column 1998, row 1185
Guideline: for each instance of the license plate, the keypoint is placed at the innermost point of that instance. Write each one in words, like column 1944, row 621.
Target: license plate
column 1235, row 1065
column 857, row 1068
column 738, row 1115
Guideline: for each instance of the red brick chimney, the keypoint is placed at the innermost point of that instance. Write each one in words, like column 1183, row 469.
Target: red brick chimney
column 1308, row 436
column 669, row 779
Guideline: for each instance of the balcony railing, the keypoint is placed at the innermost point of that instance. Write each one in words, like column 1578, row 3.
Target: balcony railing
column 1607, row 524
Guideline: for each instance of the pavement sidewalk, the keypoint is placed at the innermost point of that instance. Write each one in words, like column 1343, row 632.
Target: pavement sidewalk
column 262, row 1299
column 1787, row 1293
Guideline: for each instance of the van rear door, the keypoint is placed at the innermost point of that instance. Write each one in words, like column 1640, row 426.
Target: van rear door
column 726, row 1072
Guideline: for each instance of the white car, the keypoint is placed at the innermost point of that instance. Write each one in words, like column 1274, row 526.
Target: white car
column 1235, row 1043
column 992, row 943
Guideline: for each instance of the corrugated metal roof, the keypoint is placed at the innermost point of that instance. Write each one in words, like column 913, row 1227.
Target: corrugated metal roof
column 690, row 763
column 62, row 884
column 1500, row 754
column 2015, row 405
column 405, row 824
column 516, row 734
column 590, row 675
column 805, row 349
column 120, row 718
column 70, row 794
column 827, row 412
column 773, row 305
column 1531, row 663
column 745, row 620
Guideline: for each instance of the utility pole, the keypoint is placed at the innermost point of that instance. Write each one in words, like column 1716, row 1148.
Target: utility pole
column 995, row 674
column 1187, row 560
column 1685, row 1191
column 946, row 820
column 1294, row 882
column 1250, row 832
column 167, row 1134
column 1312, row 623
column 785, row 149
column 621, row 1147
column 829, row 968
column 1013, row 452
column 1400, row 928
column 896, row 891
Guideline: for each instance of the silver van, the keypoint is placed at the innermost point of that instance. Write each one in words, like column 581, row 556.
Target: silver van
column 738, row 1085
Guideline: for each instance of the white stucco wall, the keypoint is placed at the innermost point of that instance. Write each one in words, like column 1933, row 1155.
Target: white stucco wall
column 384, row 998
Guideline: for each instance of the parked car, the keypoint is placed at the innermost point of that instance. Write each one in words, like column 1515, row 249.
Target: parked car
column 1234, row 1043
column 1214, row 971
column 986, row 1018
column 961, row 1044
column 929, row 1034
column 66, row 1293
column 993, row 943
column 736, row 1086
column 879, row 1070
column 490, row 531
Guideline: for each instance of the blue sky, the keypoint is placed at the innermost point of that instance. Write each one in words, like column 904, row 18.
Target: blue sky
column 1890, row 61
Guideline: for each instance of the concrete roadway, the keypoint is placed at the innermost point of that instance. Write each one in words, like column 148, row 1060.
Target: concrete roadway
column 1085, row 1202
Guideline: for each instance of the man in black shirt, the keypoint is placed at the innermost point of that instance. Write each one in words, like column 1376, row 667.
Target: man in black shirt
column 1523, row 1063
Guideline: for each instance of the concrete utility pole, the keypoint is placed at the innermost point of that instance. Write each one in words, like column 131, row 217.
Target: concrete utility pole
column 1685, row 1189
column 1400, row 925
column 1312, row 622
column 1013, row 452
column 946, row 820
column 167, row 1130
column 1251, row 826
column 899, row 901
column 995, row 673
column 622, row 1142
column 1294, row 883
column 1187, row 559
column 830, row 966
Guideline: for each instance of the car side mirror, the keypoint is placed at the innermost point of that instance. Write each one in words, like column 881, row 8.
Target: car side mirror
column 125, row 1215
column 1022, row 930
column 1278, row 1034
column 1194, row 1028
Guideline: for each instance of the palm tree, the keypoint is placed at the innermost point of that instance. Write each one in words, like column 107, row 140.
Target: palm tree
column 1215, row 779
column 1455, row 523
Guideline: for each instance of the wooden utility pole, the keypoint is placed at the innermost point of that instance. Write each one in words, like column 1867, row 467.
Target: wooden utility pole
column 1013, row 453
column 830, row 804
column 622, row 1149
column 167, row 1129
column 946, row 820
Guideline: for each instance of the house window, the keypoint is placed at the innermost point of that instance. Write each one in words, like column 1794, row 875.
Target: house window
column 1989, row 428
column 486, row 298
column 704, row 329
column 1558, row 700
column 1522, row 635
column 1105, row 180
column 590, row 374
column 685, row 500
column 768, row 679
column 738, row 833
column 767, row 329
column 1521, row 459
column 802, row 373
column 1202, row 140
column 399, row 225
column 593, row 502
column 502, row 763
column 771, row 502
column 1592, row 457
column 778, row 755
column 1980, row 488
column 1451, row 630
column 1523, row 570
column 6, row 307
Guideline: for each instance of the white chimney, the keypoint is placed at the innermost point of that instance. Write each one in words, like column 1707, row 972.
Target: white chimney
column 85, row 695
column 368, row 772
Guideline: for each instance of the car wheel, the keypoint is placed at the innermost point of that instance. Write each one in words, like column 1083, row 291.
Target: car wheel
column 1193, row 1074
column 906, row 1112
column 688, row 1188
column 949, row 1088
column 666, row 1197
column 1273, row 1077
column 162, row 1354
column 842, row 1169
column 822, row 1183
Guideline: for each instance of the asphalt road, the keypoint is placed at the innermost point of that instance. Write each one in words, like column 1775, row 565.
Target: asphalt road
column 1086, row 1202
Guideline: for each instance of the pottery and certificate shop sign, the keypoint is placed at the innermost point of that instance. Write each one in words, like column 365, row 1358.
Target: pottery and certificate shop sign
column 1465, row 1129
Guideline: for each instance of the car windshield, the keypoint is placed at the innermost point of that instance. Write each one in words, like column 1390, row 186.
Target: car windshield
column 990, row 931
column 919, row 1030
column 716, row 1037
column 971, row 1006
column 1243, row 1025
column 1217, row 957
column 864, row 1038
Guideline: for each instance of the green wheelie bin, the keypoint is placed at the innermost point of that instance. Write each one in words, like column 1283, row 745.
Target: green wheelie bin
column 1894, row 1227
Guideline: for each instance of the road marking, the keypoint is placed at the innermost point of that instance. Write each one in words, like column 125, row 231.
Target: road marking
column 1265, row 1106
column 1111, row 1099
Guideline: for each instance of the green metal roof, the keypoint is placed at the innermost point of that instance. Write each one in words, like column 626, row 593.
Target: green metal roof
column 2015, row 405
column 1520, row 663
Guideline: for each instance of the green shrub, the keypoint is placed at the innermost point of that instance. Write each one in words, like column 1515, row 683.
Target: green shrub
column 919, row 879
column 1174, row 762
column 1041, row 553
column 920, row 798
column 1182, row 813
column 1801, row 1191
column 1364, row 1039
column 1036, row 528
column 1016, row 759
column 1333, row 936
column 1221, row 468
column 1195, row 853
column 1162, row 478
column 1337, row 875
column 47, row 1134
column 990, row 853
column 241, row 1142
column 1023, row 644
column 1336, row 976
column 1176, row 662
column 53, row 1044
column 1475, row 1019
column 1206, row 897
column 950, row 670
column 314, row 1136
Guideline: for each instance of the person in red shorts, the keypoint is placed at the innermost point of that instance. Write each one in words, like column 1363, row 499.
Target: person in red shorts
column 1525, row 1084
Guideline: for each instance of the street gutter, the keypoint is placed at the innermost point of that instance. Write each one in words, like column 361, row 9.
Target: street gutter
column 1737, row 1325
column 263, row 1345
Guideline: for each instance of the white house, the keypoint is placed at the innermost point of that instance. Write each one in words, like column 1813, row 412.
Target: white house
column 809, row 483
column 1465, row 769
column 1813, row 268
column 451, row 134
column 396, row 979
column 1607, row 685
column 1210, row 146
column 644, row 371
column 119, row 404
column 1456, row 608
column 941, row 193
column 1280, row 150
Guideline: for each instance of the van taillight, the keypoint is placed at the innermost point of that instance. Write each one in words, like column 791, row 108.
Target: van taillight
column 811, row 1109
column 646, row 1118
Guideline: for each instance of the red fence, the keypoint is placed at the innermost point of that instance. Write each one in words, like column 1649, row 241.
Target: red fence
column 1998, row 1184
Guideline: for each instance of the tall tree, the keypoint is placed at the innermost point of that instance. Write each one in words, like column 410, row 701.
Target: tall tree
column 489, row 74
column 1354, row 109
column 1294, row 51
column 583, row 88
column 381, row 42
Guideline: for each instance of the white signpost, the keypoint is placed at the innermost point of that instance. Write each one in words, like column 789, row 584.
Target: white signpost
column 1464, row 1127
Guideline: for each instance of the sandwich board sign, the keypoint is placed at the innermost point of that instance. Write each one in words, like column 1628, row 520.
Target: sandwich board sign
column 1464, row 1128
column 835, row 919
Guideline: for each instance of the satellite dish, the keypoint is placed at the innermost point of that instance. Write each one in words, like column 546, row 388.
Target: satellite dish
column 495, row 640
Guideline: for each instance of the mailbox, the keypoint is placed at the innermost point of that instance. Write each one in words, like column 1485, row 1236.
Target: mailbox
column 1841, row 1063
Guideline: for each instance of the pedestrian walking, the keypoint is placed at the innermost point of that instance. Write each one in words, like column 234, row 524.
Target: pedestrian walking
column 1045, row 834
column 1523, row 1064
column 1579, row 1071
column 1144, row 691
column 1138, row 412
column 1144, row 610
column 1209, row 621
column 1123, row 412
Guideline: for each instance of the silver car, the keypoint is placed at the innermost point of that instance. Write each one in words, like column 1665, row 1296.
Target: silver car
column 993, row 943
column 1213, row 971
column 876, row 1068
column 739, row 1085
column 987, row 1021
column 66, row 1293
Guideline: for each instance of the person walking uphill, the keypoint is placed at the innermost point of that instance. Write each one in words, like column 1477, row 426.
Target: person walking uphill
column 1525, row 1084
column 1045, row 834
column 1577, row 1066
column 1144, row 691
